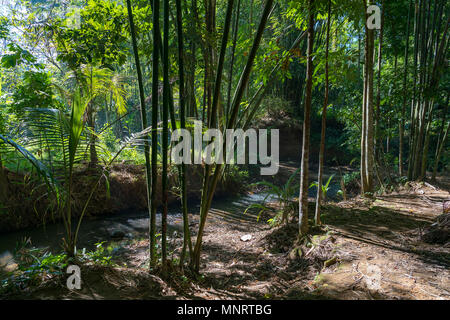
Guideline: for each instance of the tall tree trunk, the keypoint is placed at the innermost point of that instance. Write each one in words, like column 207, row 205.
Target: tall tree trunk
column 363, row 116
column 378, row 139
column 423, row 101
column 304, row 182
column 155, row 85
column 412, row 145
column 432, row 82
column 209, row 51
column 142, row 101
column 405, row 80
column 233, row 50
column 367, row 136
column 165, row 133
column 186, row 232
column 213, row 120
column 324, row 123
column 192, row 110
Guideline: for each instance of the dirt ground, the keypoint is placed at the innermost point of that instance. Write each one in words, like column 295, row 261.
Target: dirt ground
column 365, row 250
column 374, row 250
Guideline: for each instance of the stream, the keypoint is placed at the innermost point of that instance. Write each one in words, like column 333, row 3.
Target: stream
column 131, row 224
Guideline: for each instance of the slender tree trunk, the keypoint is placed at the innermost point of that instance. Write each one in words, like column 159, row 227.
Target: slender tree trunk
column 367, row 137
column 155, row 79
column 186, row 232
column 412, row 145
column 405, row 94
column 142, row 101
column 359, row 53
column 165, row 133
column 364, row 118
column 220, row 65
column 324, row 123
column 432, row 82
column 192, row 110
column 304, row 182
column 423, row 101
column 370, row 125
column 233, row 50
column 378, row 139
column 209, row 53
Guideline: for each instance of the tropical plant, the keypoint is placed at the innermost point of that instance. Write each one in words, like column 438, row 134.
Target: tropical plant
column 97, row 84
column 64, row 135
column 324, row 187
column 284, row 195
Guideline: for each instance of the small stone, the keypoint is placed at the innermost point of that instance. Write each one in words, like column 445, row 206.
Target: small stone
column 246, row 237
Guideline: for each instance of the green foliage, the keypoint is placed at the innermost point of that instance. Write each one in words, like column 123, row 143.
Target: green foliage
column 325, row 187
column 100, row 255
column 278, row 109
column 4, row 29
column 99, row 84
column 41, row 169
column 17, row 57
column 35, row 265
column 283, row 195
column 75, row 126
column 34, row 91
column 60, row 84
column 235, row 176
column 351, row 177
column 133, row 155
column 100, row 39
column 65, row 133
column 108, row 138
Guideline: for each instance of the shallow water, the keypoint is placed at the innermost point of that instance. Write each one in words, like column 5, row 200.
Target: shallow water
column 134, row 224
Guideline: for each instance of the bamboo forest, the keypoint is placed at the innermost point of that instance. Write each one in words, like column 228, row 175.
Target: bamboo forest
column 224, row 150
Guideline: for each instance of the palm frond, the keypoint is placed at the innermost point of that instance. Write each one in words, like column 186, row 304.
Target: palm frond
column 41, row 169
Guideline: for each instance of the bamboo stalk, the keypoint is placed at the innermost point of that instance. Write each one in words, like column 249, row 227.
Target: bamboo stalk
column 324, row 123
column 155, row 80
column 144, row 124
